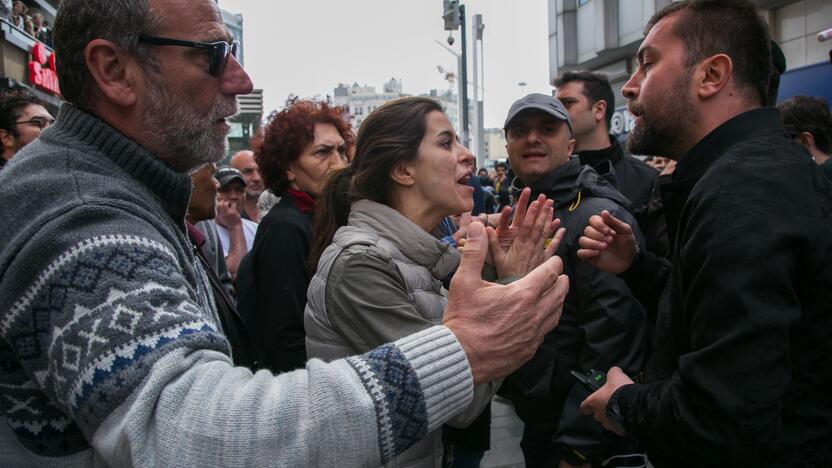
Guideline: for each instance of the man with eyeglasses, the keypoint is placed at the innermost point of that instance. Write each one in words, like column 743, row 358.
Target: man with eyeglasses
column 22, row 119
column 111, row 350
column 602, row 324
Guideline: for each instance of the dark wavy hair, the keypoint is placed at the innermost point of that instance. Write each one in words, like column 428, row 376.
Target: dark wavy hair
column 390, row 135
column 289, row 131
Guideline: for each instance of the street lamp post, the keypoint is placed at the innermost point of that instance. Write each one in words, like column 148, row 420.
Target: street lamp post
column 454, row 16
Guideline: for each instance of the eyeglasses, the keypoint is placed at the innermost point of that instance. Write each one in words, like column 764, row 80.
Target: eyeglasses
column 40, row 122
column 218, row 52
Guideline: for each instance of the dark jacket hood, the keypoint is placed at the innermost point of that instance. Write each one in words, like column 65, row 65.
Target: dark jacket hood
column 565, row 183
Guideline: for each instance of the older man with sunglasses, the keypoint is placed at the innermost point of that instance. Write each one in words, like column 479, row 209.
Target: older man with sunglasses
column 22, row 119
column 112, row 351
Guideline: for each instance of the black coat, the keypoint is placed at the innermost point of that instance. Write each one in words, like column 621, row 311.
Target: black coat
column 632, row 177
column 741, row 373
column 602, row 326
column 272, row 283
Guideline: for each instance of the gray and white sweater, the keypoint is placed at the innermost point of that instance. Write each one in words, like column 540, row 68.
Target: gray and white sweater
column 111, row 352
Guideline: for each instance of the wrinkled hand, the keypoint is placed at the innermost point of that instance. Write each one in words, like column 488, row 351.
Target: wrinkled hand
column 608, row 243
column 529, row 231
column 501, row 326
column 595, row 405
column 228, row 214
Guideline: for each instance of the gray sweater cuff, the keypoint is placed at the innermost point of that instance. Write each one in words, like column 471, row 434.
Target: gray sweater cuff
column 440, row 364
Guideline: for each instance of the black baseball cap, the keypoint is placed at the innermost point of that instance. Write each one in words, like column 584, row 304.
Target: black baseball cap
column 226, row 174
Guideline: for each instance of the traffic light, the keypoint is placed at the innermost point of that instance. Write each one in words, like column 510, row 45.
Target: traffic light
column 450, row 14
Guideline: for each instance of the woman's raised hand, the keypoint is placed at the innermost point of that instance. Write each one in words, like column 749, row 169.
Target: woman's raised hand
column 518, row 248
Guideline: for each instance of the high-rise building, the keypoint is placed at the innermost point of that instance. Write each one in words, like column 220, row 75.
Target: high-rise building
column 604, row 36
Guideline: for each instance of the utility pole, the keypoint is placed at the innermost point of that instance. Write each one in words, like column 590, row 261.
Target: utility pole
column 478, row 144
column 454, row 16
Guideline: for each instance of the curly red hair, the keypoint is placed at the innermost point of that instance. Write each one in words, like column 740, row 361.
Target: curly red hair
column 288, row 132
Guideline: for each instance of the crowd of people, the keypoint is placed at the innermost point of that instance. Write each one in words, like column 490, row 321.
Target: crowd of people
column 30, row 21
column 332, row 297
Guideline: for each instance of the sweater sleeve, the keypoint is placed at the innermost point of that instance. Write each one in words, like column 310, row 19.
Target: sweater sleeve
column 368, row 304
column 118, row 338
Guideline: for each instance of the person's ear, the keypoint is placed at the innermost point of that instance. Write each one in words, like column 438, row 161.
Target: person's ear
column 8, row 140
column 713, row 74
column 807, row 140
column 599, row 111
column 117, row 75
column 571, row 146
column 403, row 174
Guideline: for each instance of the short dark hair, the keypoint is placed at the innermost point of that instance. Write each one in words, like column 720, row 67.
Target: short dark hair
column 80, row 21
column 731, row 27
column 809, row 114
column 501, row 164
column 12, row 104
column 597, row 87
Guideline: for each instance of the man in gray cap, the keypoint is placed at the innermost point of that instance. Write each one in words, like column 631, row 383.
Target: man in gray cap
column 602, row 324
column 235, row 233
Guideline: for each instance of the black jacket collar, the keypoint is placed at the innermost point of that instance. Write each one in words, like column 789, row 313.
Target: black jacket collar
column 613, row 153
column 704, row 154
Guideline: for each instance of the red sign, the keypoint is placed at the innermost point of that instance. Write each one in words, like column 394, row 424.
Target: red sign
column 42, row 70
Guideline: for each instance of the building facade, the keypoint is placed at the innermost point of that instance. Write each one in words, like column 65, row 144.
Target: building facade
column 604, row 36
column 361, row 100
column 494, row 141
column 246, row 123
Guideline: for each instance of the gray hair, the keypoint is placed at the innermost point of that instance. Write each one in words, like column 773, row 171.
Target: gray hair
column 78, row 22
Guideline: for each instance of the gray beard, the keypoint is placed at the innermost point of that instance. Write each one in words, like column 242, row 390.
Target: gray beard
column 182, row 138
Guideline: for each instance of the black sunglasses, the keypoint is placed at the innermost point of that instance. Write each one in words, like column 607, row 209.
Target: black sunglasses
column 218, row 52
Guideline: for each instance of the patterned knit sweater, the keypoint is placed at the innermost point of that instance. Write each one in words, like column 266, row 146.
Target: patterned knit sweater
column 110, row 348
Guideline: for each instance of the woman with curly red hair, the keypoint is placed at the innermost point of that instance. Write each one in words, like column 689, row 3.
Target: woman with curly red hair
column 302, row 144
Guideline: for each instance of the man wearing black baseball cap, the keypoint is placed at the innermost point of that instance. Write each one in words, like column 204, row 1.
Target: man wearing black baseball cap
column 602, row 324
column 236, row 234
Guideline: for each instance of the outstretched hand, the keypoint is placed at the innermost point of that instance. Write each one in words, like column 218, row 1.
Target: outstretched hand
column 607, row 243
column 518, row 248
column 501, row 326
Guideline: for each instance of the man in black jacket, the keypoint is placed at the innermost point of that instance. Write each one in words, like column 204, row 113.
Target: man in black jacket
column 589, row 100
column 602, row 324
column 742, row 360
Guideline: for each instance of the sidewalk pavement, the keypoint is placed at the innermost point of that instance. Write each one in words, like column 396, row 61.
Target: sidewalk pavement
column 506, row 431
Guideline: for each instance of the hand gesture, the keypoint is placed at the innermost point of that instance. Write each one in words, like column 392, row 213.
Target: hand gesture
column 228, row 214
column 528, row 233
column 501, row 326
column 595, row 405
column 607, row 243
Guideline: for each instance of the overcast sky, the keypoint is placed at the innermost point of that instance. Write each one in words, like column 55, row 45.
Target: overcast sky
column 307, row 47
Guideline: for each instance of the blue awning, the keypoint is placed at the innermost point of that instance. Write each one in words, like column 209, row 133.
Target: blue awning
column 811, row 80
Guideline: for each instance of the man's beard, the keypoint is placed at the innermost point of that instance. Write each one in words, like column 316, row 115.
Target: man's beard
column 183, row 138
column 664, row 130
